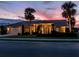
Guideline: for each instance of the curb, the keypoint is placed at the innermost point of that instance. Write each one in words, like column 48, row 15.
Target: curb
column 38, row 39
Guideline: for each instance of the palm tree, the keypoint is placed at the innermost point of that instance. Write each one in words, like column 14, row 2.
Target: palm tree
column 72, row 23
column 69, row 12
column 29, row 16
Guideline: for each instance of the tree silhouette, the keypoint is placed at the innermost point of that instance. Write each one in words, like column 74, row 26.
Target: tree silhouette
column 29, row 16
column 69, row 12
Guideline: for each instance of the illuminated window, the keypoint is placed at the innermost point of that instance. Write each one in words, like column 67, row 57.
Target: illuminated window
column 62, row 29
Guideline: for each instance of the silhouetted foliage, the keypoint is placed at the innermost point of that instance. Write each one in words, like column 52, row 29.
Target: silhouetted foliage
column 73, row 21
column 28, row 15
column 69, row 12
column 3, row 30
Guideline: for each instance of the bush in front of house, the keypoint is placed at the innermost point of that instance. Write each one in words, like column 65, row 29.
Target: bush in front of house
column 26, row 33
column 72, row 34
column 3, row 30
column 60, row 34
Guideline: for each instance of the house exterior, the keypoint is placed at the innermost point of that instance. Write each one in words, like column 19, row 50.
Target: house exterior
column 40, row 26
column 4, row 23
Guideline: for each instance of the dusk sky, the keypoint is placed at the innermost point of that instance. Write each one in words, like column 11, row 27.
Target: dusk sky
column 45, row 10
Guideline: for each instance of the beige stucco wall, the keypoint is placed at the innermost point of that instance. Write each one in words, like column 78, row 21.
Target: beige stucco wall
column 12, row 30
column 61, row 29
column 45, row 28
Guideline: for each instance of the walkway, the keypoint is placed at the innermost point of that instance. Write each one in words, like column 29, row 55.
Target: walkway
column 10, row 34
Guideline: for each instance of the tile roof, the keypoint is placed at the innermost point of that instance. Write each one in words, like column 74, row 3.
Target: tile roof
column 55, row 22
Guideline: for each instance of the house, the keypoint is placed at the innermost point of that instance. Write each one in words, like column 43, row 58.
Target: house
column 4, row 24
column 40, row 26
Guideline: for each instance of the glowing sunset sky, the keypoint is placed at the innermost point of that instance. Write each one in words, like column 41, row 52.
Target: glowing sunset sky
column 45, row 10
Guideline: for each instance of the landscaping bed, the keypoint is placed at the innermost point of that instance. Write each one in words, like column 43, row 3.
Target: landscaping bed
column 49, row 36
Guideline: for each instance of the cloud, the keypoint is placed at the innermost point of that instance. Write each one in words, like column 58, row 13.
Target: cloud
column 50, row 8
column 4, row 2
column 42, row 15
column 5, row 14
column 49, row 15
column 3, row 5
column 46, row 2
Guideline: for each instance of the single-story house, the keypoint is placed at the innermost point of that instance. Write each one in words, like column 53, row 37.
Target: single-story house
column 4, row 23
column 40, row 26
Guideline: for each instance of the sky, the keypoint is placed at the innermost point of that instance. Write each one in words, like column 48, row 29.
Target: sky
column 45, row 10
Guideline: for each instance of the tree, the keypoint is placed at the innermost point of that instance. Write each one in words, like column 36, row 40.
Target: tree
column 29, row 16
column 69, row 12
column 72, row 23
